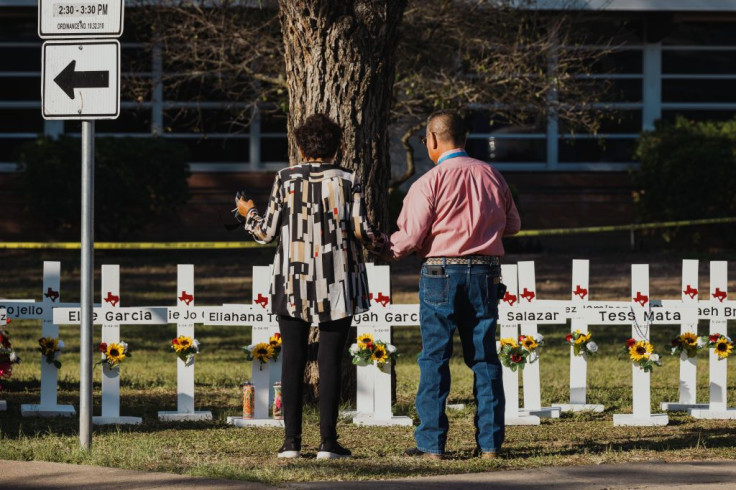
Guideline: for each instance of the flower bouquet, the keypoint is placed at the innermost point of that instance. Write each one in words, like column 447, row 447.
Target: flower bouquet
column 115, row 353
column 722, row 345
column 512, row 354
column 264, row 351
column 366, row 351
column 532, row 343
column 7, row 356
column 686, row 344
column 642, row 354
column 185, row 348
column 582, row 343
column 50, row 347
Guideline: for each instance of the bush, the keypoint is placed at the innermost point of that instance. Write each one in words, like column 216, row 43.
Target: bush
column 136, row 182
column 688, row 171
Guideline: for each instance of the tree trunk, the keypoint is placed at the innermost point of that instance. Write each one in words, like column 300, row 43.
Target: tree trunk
column 339, row 57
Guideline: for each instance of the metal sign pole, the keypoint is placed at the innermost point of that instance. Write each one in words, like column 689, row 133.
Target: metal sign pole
column 87, row 284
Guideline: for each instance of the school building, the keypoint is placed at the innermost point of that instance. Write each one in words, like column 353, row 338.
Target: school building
column 676, row 57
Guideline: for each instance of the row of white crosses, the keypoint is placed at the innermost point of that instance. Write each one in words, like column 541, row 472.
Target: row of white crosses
column 42, row 310
column 111, row 315
column 374, row 392
column 718, row 310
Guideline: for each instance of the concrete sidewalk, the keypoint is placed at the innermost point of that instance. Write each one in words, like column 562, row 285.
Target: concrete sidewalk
column 27, row 475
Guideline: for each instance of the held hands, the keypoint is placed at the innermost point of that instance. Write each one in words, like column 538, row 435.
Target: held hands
column 244, row 206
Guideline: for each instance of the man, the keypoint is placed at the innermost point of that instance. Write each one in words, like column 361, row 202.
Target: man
column 454, row 217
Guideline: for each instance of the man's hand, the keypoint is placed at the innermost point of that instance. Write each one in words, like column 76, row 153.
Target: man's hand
column 244, row 206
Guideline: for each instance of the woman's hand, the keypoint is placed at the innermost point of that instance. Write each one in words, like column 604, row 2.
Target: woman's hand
column 245, row 206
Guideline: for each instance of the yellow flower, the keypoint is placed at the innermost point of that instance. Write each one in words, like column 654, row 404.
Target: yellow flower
column 689, row 339
column 49, row 345
column 263, row 352
column 379, row 354
column 529, row 343
column 640, row 350
column 275, row 340
column 182, row 343
column 510, row 341
column 115, row 354
column 364, row 339
column 723, row 348
column 583, row 337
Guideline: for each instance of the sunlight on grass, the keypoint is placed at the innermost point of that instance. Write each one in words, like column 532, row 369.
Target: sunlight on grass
column 214, row 449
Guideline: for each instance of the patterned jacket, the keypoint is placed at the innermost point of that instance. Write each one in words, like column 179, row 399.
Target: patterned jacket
column 318, row 212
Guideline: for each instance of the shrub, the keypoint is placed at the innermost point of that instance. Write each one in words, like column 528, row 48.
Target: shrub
column 688, row 171
column 136, row 182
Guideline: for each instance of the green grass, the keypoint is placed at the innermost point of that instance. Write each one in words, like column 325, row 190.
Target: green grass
column 215, row 449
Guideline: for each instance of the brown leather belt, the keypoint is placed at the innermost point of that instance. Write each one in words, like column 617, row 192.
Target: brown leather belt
column 472, row 259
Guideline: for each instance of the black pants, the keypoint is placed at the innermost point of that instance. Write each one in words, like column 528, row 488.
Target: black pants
column 294, row 340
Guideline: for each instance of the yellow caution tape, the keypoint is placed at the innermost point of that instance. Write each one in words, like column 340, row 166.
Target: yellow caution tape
column 638, row 226
column 133, row 245
column 240, row 245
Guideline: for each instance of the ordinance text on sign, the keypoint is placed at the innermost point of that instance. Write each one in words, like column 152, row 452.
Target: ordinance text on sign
column 64, row 19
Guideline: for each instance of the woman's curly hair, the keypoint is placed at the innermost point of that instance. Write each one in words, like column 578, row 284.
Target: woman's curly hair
column 318, row 137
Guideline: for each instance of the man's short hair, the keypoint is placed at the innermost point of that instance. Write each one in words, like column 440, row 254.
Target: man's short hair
column 318, row 137
column 448, row 125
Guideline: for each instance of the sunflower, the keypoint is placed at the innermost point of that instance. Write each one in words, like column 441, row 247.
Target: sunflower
column 528, row 342
column 508, row 341
column 115, row 354
column 364, row 339
column 379, row 354
column 48, row 345
column 275, row 340
column 582, row 337
column 263, row 352
column 182, row 343
column 640, row 350
column 689, row 339
column 723, row 348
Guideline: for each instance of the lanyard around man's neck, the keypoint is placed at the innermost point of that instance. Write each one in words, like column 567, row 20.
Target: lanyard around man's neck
column 455, row 154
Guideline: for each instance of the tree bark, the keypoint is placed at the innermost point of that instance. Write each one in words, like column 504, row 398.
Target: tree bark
column 340, row 61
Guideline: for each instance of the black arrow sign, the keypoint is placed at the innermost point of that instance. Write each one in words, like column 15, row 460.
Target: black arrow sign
column 69, row 79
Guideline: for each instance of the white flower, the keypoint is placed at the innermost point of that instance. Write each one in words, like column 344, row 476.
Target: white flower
column 124, row 345
column 702, row 342
column 591, row 346
column 354, row 349
column 390, row 348
column 654, row 358
column 195, row 345
column 250, row 347
column 538, row 338
column 61, row 344
column 13, row 357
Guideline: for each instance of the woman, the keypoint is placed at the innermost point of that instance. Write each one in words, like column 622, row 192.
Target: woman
column 317, row 210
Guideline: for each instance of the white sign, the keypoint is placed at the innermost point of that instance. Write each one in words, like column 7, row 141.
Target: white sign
column 59, row 19
column 654, row 316
column 80, row 80
column 126, row 316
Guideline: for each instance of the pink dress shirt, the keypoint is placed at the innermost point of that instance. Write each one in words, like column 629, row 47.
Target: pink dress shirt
column 462, row 206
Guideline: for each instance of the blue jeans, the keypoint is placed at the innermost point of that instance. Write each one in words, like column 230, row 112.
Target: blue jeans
column 463, row 298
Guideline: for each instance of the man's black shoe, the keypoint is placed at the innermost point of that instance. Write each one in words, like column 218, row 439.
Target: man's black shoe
column 418, row 453
column 331, row 449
